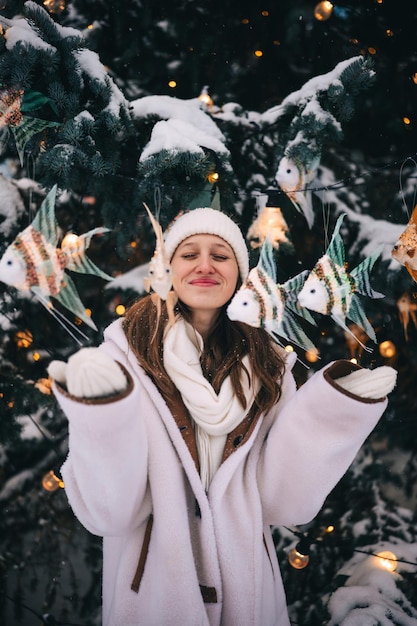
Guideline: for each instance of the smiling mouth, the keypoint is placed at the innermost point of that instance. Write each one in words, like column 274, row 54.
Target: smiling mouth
column 204, row 282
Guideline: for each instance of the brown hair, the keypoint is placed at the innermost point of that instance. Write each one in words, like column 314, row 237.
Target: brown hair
column 224, row 349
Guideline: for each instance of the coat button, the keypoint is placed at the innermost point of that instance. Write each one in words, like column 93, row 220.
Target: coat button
column 237, row 440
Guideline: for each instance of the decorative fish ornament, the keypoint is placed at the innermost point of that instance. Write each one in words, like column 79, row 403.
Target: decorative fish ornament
column 262, row 303
column 293, row 178
column 331, row 290
column 405, row 249
column 159, row 276
column 34, row 263
column 14, row 105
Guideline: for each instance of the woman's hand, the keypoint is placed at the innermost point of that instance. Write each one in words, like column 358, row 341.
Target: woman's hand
column 89, row 373
column 366, row 383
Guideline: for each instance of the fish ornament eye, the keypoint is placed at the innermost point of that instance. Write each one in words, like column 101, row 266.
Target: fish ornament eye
column 313, row 290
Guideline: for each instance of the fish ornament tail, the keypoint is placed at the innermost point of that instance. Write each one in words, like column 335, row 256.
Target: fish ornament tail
column 361, row 275
column 360, row 278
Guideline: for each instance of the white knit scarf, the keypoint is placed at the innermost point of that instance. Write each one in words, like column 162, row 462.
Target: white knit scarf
column 214, row 415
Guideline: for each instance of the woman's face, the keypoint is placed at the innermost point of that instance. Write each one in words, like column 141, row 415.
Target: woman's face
column 205, row 273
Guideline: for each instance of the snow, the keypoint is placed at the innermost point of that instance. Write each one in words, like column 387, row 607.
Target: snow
column 309, row 92
column 177, row 135
column 11, row 206
column 21, row 31
column 134, row 279
column 167, row 107
column 371, row 594
column 90, row 63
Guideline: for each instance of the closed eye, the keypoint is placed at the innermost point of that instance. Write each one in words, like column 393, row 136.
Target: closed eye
column 220, row 257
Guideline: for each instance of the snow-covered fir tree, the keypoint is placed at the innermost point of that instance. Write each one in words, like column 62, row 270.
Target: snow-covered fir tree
column 272, row 111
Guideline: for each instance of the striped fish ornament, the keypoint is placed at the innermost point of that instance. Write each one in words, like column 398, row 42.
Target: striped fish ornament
column 33, row 262
column 332, row 290
column 263, row 303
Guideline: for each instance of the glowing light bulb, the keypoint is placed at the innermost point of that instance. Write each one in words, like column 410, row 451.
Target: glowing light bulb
column 51, row 482
column 387, row 560
column 289, row 348
column 205, row 97
column 323, row 10
column 172, row 84
column 312, row 356
column 297, row 560
column 387, row 349
column 23, row 338
column 213, row 177
column 120, row 309
column 44, row 385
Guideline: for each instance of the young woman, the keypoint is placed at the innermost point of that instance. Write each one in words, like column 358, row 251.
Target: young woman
column 188, row 440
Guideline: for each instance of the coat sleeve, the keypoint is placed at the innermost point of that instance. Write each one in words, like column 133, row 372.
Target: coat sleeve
column 105, row 473
column 312, row 442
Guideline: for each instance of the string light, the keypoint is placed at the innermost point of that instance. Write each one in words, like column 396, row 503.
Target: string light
column 387, row 349
column 54, row 6
column 387, row 560
column 269, row 223
column 297, row 560
column 172, row 84
column 23, row 338
column 51, row 482
column 120, row 309
column 299, row 557
column 44, row 385
column 213, row 177
column 312, row 356
column 205, row 97
column 258, row 53
column 323, row 11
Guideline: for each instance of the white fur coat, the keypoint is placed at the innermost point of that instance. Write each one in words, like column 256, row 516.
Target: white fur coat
column 128, row 460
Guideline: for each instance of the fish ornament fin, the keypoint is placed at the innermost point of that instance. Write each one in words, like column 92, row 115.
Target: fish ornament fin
column 44, row 221
column 342, row 324
column 357, row 315
column 303, row 203
column 292, row 331
column 70, row 299
column 79, row 261
column 361, row 275
column 266, row 262
column 336, row 249
column 171, row 301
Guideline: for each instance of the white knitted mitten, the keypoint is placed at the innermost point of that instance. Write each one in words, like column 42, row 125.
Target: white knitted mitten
column 89, row 373
column 366, row 383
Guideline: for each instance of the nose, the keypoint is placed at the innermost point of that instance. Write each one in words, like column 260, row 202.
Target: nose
column 205, row 265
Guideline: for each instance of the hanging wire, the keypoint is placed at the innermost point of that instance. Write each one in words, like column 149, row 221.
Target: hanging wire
column 401, row 187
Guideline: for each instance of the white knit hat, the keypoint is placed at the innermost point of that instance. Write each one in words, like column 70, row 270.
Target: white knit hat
column 208, row 221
